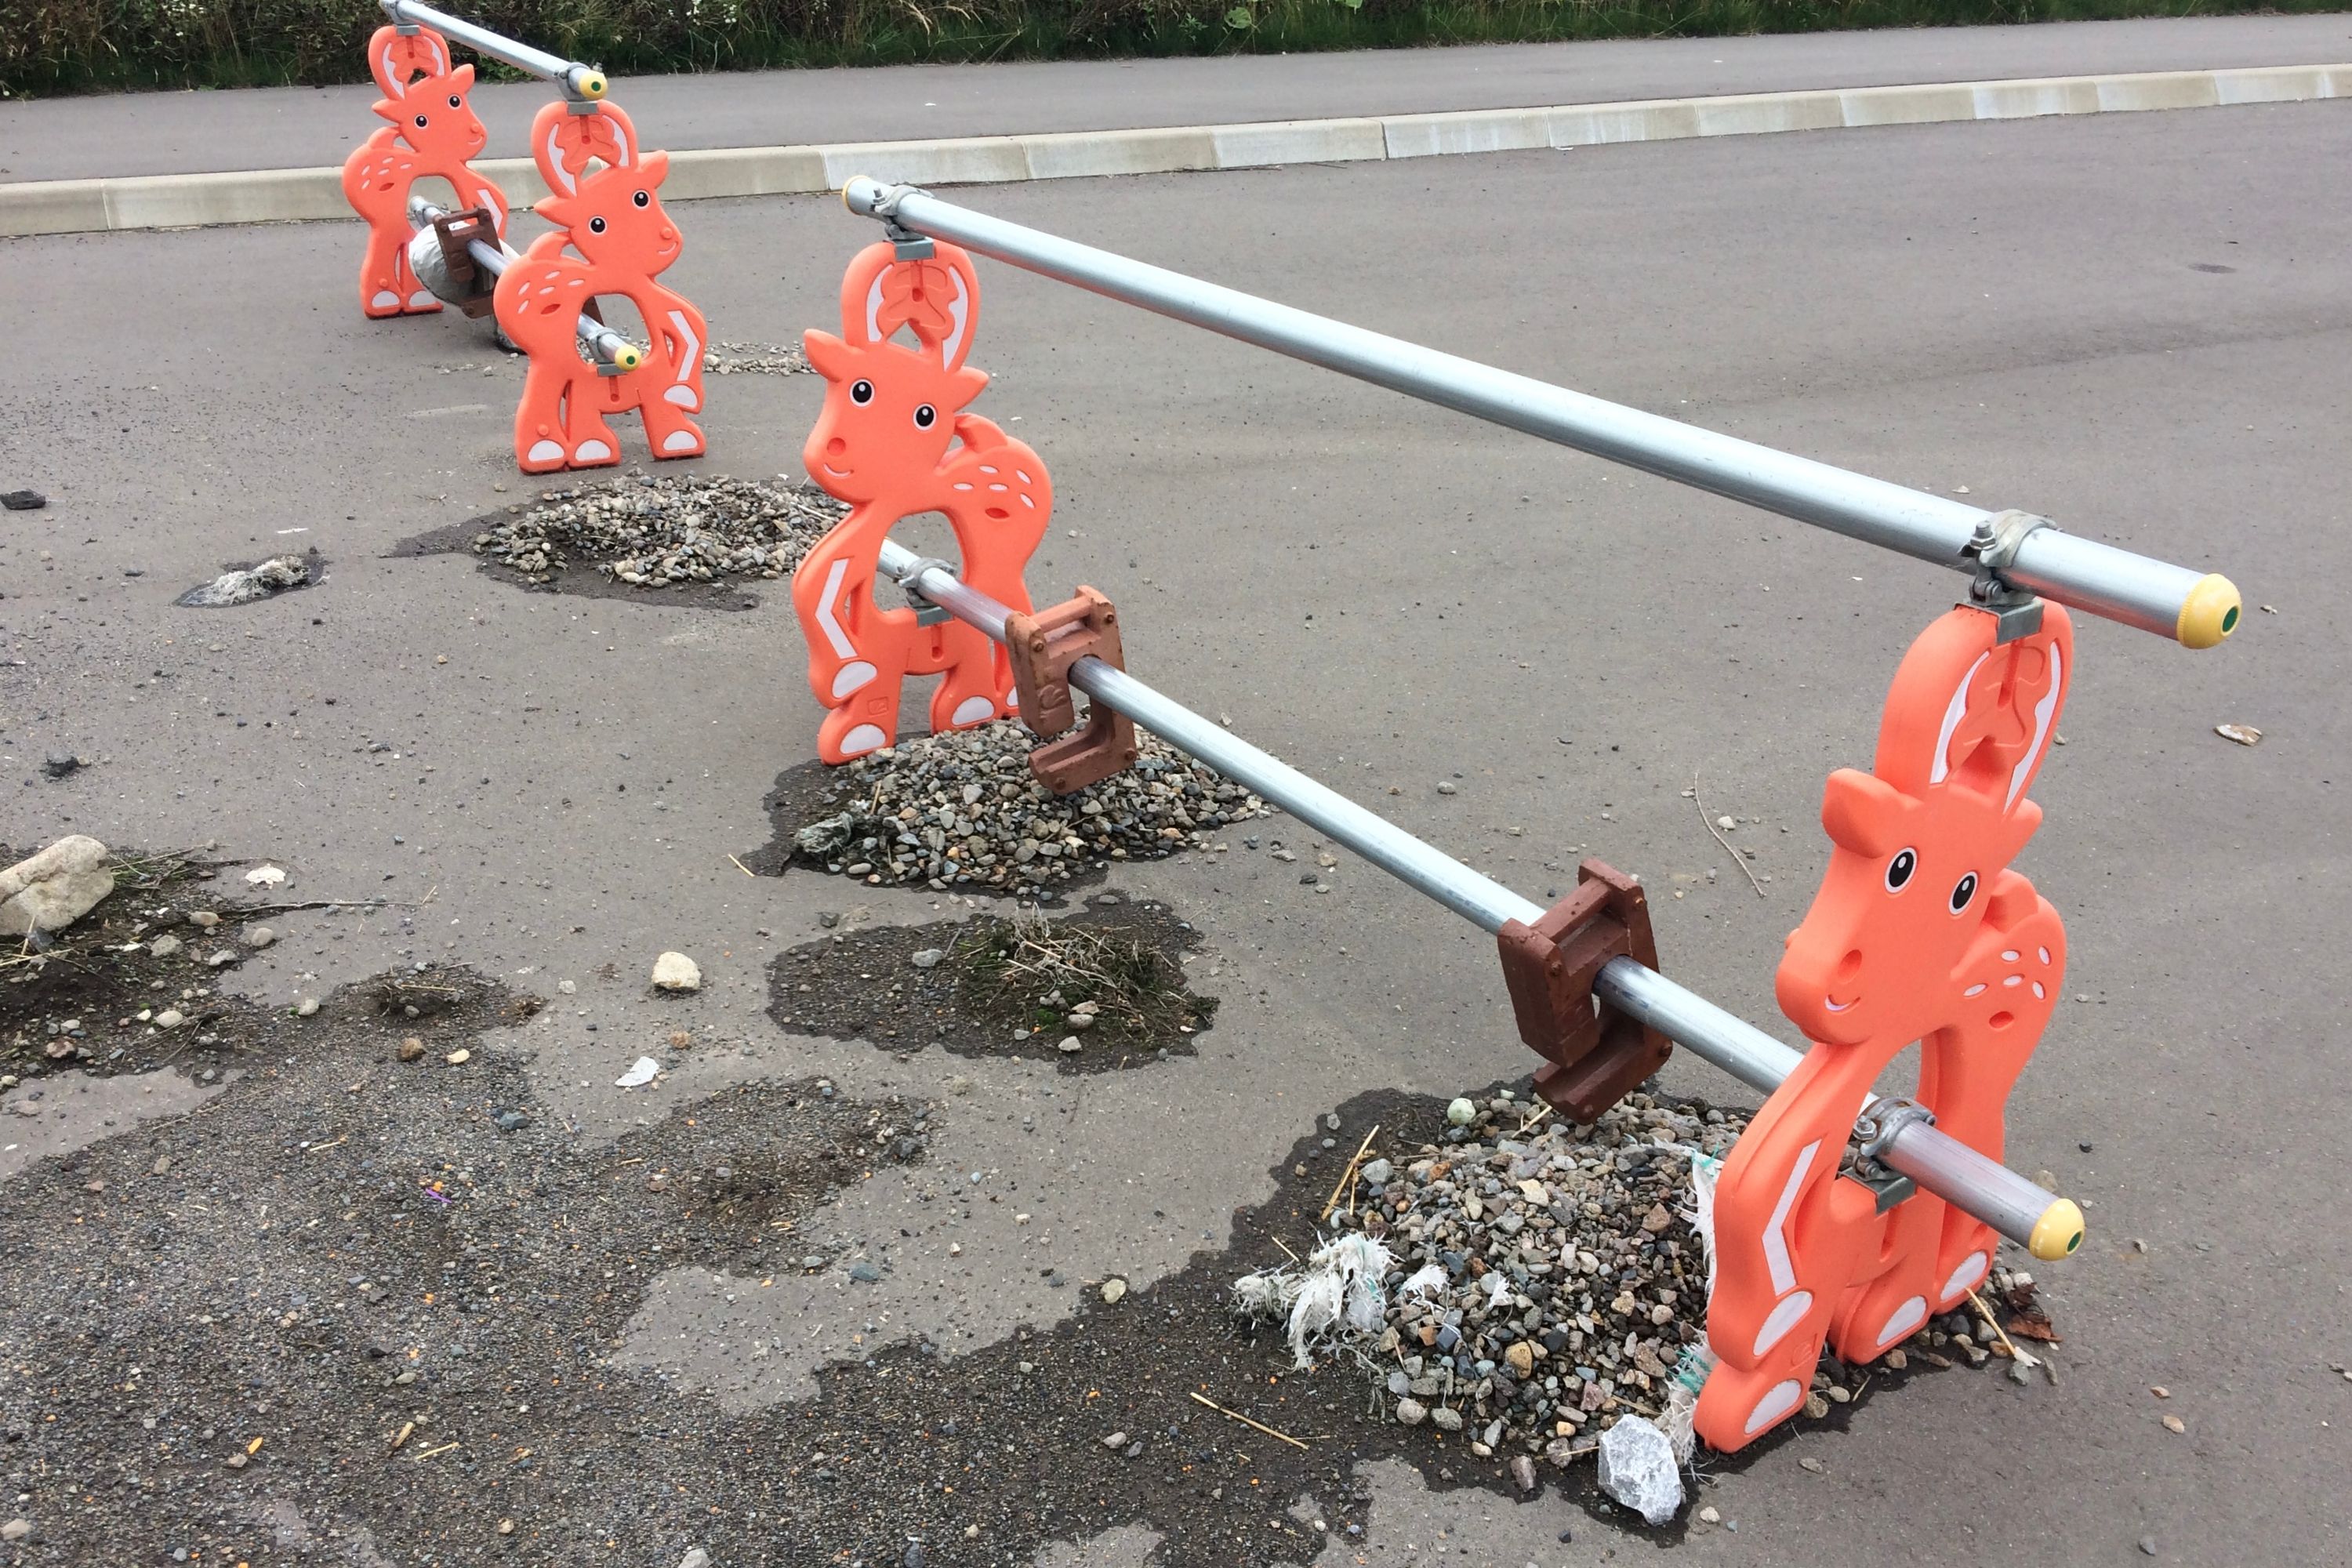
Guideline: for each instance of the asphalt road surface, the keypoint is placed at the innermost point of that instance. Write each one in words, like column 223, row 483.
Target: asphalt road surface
column 2140, row 325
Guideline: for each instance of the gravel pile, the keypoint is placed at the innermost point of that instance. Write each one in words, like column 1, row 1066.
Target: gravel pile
column 754, row 359
column 657, row 530
column 1565, row 1278
column 961, row 810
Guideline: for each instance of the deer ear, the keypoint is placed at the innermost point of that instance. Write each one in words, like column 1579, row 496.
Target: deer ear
column 965, row 384
column 462, row 78
column 652, row 168
column 831, row 358
column 1864, row 813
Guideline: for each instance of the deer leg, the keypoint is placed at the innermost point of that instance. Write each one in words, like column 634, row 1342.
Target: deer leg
column 859, row 653
column 384, row 279
column 584, row 398
column 539, row 428
column 1788, row 1236
column 971, row 693
column 669, row 431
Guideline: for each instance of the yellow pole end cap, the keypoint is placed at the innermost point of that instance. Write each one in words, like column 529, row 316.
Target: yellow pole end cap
column 2209, row 613
column 593, row 85
column 630, row 358
column 2057, row 1233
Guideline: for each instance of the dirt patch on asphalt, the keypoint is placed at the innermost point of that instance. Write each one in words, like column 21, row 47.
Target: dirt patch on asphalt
column 960, row 811
column 1091, row 992
column 134, row 984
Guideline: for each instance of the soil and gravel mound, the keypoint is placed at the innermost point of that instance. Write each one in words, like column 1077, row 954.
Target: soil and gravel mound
column 1092, row 991
column 961, row 810
column 755, row 359
column 651, row 531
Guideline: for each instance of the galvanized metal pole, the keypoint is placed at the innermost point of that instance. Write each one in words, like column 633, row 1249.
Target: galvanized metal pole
column 2196, row 609
column 602, row 341
column 2049, row 1226
column 580, row 81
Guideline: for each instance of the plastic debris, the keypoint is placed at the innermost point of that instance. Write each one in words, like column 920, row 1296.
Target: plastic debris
column 638, row 1075
column 1638, row 1468
column 247, row 584
column 265, row 876
column 1337, row 1296
column 2244, row 734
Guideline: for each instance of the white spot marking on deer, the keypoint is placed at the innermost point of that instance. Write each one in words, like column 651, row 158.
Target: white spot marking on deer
column 1907, row 1316
column 1940, row 764
column 2043, row 711
column 973, row 710
column 852, row 676
column 842, row 646
column 1776, row 1234
column 1786, row 1316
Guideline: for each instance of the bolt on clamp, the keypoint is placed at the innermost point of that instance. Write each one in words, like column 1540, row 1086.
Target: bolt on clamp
column 1993, row 547
column 927, row 613
column 1877, row 1129
column 906, row 244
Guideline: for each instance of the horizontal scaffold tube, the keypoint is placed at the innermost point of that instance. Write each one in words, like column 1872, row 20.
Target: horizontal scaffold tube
column 577, row 80
column 2049, row 1226
column 603, row 342
column 2196, row 609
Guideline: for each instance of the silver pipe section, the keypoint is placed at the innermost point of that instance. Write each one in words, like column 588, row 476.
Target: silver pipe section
column 425, row 260
column 1938, row 1163
column 584, row 82
column 2195, row 608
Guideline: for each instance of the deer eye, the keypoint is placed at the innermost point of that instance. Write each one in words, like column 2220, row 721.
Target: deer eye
column 454, row 103
column 1962, row 891
column 643, row 199
column 420, row 121
column 595, row 226
column 926, row 417
column 862, row 392
column 1899, row 869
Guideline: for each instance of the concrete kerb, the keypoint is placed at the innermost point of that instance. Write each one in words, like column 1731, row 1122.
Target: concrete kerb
column 285, row 195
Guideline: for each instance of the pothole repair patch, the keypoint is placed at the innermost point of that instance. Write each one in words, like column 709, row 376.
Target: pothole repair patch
column 1092, row 991
column 960, row 811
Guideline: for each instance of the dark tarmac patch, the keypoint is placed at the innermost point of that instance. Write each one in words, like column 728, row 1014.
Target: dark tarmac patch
column 578, row 580
column 989, row 976
column 354, row 1303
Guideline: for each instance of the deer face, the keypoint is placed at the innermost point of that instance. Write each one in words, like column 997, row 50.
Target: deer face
column 616, row 218
column 1917, row 845
column 889, row 411
column 433, row 116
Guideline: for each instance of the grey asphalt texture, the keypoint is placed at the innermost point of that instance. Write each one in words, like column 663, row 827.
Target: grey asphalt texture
column 2140, row 325
column 180, row 133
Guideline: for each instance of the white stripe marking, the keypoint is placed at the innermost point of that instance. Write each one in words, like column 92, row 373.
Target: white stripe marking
column 1775, row 1237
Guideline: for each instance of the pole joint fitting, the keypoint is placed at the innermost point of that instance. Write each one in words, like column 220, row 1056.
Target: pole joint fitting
column 1594, row 1054
column 1041, row 646
column 927, row 613
column 908, row 244
column 1993, row 547
column 1877, row 1129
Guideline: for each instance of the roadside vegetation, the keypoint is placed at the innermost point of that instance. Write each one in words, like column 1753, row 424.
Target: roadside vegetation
column 73, row 46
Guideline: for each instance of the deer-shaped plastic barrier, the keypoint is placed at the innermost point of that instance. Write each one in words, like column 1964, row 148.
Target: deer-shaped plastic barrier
column 611, row 237
column 433, row 131
column 1920, row 932
column 893, row 442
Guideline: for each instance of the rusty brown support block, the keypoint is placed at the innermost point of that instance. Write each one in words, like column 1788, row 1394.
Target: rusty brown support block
column 1042, row 645
column 457, row 231
column 1594, row 1054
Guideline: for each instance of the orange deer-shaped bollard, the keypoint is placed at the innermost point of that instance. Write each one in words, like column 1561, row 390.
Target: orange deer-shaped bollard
column 1919, row 932
column 433, row 131
column 610, row 216
column 892, row 442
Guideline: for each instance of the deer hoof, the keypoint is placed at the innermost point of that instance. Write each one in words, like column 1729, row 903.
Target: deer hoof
column 863, row 739
column 592, row 452
column 973, row 710
column 1906, row 1317
column 1970, row 1271
column 384, row 299
column 544, row 452
column 681, row 441
column 1778, row 1401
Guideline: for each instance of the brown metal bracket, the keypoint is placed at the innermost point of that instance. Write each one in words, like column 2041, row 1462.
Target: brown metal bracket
column 1042, row 645
column 1593, row 1055
column 455, row 231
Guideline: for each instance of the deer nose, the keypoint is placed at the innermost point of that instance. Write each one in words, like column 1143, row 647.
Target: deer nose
column 835, row 447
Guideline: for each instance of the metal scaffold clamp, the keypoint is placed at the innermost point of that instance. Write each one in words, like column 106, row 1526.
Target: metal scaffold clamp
column 905, row 243
column 1041, row 646
column 1993, row 547
column 1877, row 1129
column 927, row 613
column 1594, row 1054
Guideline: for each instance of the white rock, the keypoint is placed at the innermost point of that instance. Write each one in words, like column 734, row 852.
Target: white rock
column 675, row 971
column 697, row 1558
column 1070, row 1045
column 265, row 876
column 170, row 1018
column 163, row 946
column 1638, row 1468
column 260, row 936
column 1114, row 1291
column 52, row 890
column 1462, row 1113
column 639, row 1074
column 306, row 1007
